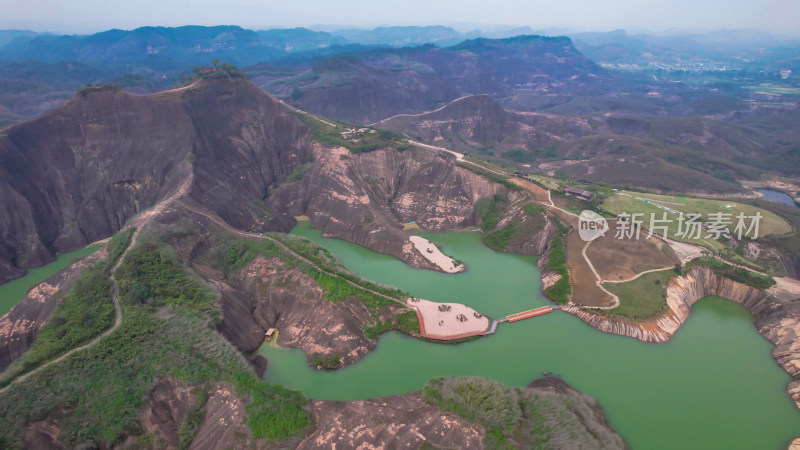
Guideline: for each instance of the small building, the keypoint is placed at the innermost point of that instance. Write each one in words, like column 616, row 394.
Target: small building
column 270, row 334
column 580, row 193
column 520, row 174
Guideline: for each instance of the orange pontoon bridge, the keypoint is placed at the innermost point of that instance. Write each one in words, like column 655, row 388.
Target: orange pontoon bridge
column 520, row 316
column 530, row 313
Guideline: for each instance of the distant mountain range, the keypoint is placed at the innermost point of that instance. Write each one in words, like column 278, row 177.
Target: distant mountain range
column 743, row 49
column 367, row 75
column 370, row 85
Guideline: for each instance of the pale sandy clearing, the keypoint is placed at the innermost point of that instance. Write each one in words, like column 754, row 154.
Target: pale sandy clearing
column 445, row 324
column 432, row 253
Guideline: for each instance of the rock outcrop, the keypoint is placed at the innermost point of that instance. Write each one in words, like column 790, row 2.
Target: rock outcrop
column 571, row 420
column 532, row 233
column 292, row 302
column 777, row 320
column 549, row 278
column 42, row 436
column 21, row 326
column 365, row 197
column 225, row 422
column 165, row 408
column 400, row 421
column 76, row 174
column 269, row 292
column 790, row 265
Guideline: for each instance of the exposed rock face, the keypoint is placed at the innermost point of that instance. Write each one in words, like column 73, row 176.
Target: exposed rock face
column 533, row 234
column 291, row 301
column 42, row 435
column 259, row 364
column 776, row 320
column 363, row 198
column 164, row 409
column 225, row 423
column 265, row 293
column 572, row 420
column 549, row 278
column 400, row 421
column 20, row 326
column 78, row 173
column 109, row 154
column 238, row 324
column 791, row 265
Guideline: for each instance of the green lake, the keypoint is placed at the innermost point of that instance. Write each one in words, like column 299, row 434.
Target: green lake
column 715, row 385
column 14, row 291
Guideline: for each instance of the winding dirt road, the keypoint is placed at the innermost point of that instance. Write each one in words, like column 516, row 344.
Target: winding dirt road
column 138, row 221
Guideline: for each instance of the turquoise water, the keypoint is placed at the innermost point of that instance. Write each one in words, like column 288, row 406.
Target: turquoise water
column 777, row 197
column 715, row 385
column 14, row 291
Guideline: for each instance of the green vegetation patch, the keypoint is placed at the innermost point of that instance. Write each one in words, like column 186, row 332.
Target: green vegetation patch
column 327, row 362
column 501, row 179
column 118, row 372
column 355, row 138
column 521, row 227
column 273, row 412
column 487, row 402
column 326, row 261
column 170, row 334
column 633, row 202
column 89, row 88
column 737, row 274
column 643, row 298
column 218, row 71
column 499, row 239
column 406, row 322
column 337, row 283
column 84, row 313
column 532, row 209
column 193, row 419
column 557, row 262
column 490, row 210
column 521, row 417
column 152, row 274
column 520, row 156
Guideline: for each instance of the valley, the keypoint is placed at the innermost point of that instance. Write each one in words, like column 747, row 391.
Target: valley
column 698, row 363
column 404, row 237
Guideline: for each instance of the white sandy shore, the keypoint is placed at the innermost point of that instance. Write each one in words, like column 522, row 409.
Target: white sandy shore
column 432, row 253
column 445, row 324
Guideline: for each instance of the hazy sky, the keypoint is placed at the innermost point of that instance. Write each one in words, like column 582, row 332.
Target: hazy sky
column 782, row 16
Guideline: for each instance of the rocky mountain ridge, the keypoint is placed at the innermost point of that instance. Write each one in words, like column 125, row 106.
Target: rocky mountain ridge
column 611, row 148
column 370, row 85
column 76, row 174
